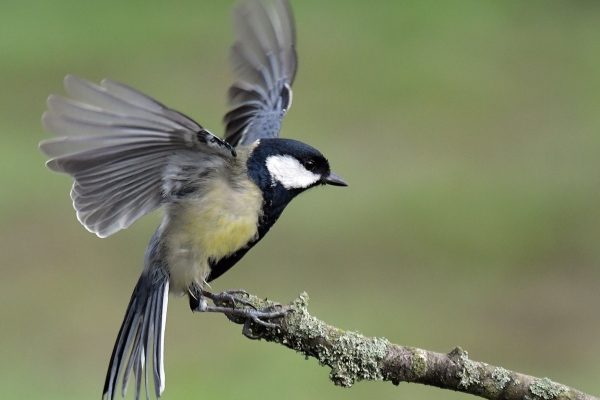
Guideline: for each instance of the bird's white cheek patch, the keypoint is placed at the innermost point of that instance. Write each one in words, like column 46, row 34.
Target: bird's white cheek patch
column 288, row 171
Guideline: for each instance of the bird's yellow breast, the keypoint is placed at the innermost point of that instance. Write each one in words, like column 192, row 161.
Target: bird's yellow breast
column 211, row 227
column 223, row 221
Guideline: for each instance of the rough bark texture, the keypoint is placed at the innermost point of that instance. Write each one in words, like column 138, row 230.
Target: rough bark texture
column 353, row 357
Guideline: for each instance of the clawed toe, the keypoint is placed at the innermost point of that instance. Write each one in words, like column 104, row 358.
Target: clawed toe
column 237, row 292
column 228, row 303
column 229, row 298
column 260, row 318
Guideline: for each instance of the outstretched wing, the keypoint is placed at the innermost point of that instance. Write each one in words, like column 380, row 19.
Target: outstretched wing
column 116, row 143
column 264, row 63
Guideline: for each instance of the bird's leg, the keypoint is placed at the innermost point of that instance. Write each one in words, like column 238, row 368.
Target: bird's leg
column 226, row 303
column 242, row 315
column 229, row 298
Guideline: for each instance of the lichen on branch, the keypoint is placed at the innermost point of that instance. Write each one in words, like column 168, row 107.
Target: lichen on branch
column 353, row 357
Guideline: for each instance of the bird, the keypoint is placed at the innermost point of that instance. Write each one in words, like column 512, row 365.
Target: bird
column 129, row 154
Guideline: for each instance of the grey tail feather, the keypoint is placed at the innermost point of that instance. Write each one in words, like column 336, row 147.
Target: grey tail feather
column 141, row 338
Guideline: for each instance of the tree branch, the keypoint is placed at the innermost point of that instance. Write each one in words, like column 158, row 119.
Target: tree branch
column 353, row 357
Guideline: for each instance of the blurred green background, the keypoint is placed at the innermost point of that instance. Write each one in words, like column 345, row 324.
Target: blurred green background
column 468, row 131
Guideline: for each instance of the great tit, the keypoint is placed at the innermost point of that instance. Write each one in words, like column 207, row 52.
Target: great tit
column 129, row 154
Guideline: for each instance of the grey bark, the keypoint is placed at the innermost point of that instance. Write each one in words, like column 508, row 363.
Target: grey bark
column 353, row 357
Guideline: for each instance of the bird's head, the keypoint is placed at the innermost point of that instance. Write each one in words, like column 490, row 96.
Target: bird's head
column 290, row 165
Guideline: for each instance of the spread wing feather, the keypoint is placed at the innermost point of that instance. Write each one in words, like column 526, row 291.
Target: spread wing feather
column 264, row 62
column 116, row 143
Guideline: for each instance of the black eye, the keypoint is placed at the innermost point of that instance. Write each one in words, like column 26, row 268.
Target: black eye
column 310, row 164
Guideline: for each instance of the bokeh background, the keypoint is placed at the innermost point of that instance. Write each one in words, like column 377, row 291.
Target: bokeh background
column 469, row 133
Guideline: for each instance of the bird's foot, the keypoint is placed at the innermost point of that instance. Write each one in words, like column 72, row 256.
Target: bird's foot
column 228, row 303
column 229, row 298
column 241, row 315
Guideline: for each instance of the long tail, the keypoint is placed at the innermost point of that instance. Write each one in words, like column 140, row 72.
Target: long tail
column 141, row 337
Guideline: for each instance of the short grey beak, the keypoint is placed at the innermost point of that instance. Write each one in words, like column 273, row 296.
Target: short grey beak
column 335, row 180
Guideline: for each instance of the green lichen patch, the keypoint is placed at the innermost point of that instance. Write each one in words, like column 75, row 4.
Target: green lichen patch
column 355, row 357
column 303, row 327
column 418, row 366
column 301, row 303
column 351, row 356
column 546, row 389
column 468, row 373
column 501, row 377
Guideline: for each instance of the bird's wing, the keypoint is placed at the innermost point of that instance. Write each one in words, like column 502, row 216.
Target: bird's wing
column 116, row 143
column 264, row 63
